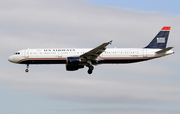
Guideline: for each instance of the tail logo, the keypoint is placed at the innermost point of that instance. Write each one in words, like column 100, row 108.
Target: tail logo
column 161, row 40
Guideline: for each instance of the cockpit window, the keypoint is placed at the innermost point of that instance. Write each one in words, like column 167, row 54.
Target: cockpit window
column 17, row 53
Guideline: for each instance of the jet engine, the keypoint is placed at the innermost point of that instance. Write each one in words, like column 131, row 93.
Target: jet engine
column 73, row 63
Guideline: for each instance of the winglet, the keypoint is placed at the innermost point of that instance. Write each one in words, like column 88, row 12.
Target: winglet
column 110, row 42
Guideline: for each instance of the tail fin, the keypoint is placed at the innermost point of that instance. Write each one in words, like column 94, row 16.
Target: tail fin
column 160, row 39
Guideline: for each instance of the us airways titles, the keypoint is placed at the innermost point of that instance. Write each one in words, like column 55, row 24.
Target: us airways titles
column 52, row 50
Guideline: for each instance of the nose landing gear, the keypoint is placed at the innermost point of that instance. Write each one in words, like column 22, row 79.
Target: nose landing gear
column 27, row 70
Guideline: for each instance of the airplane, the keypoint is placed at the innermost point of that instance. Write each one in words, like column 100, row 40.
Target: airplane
column 76, row 58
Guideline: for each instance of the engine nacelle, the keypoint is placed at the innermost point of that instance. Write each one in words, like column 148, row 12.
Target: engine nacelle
column 73, row 60
column 73, row 63
column 73, row 67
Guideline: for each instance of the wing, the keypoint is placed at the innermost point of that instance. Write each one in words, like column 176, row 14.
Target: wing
column 94, row 53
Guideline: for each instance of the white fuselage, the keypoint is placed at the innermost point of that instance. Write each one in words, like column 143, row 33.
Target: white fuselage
column 78, row 58
column 59, row 56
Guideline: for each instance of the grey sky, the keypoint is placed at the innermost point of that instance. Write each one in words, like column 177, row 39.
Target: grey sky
column 147, row 87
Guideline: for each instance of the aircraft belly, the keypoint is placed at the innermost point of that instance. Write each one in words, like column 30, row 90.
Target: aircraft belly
column 121, row 61
column 43, row 61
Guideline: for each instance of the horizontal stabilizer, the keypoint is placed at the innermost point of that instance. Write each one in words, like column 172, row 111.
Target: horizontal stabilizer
column 164, row 50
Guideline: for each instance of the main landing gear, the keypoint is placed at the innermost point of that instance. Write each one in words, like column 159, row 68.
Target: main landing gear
column 90, row 70
column 27, row 70
column 90, row 66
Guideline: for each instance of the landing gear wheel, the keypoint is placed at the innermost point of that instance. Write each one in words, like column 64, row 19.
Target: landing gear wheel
column 89, row 71
column 27, row 70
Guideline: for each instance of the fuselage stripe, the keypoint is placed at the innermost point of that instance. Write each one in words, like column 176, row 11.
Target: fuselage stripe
column 41, row 59
column 99, row 58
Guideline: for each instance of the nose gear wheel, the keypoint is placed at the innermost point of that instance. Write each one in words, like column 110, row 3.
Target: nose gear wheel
column 27, row 70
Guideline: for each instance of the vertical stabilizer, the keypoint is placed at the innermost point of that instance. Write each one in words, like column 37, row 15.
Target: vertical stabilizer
column 160, row 40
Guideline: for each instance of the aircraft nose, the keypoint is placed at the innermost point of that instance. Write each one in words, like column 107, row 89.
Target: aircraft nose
column 11, row 59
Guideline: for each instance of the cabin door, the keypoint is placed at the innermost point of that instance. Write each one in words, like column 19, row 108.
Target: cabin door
column 26, row 53
column 144, row 52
